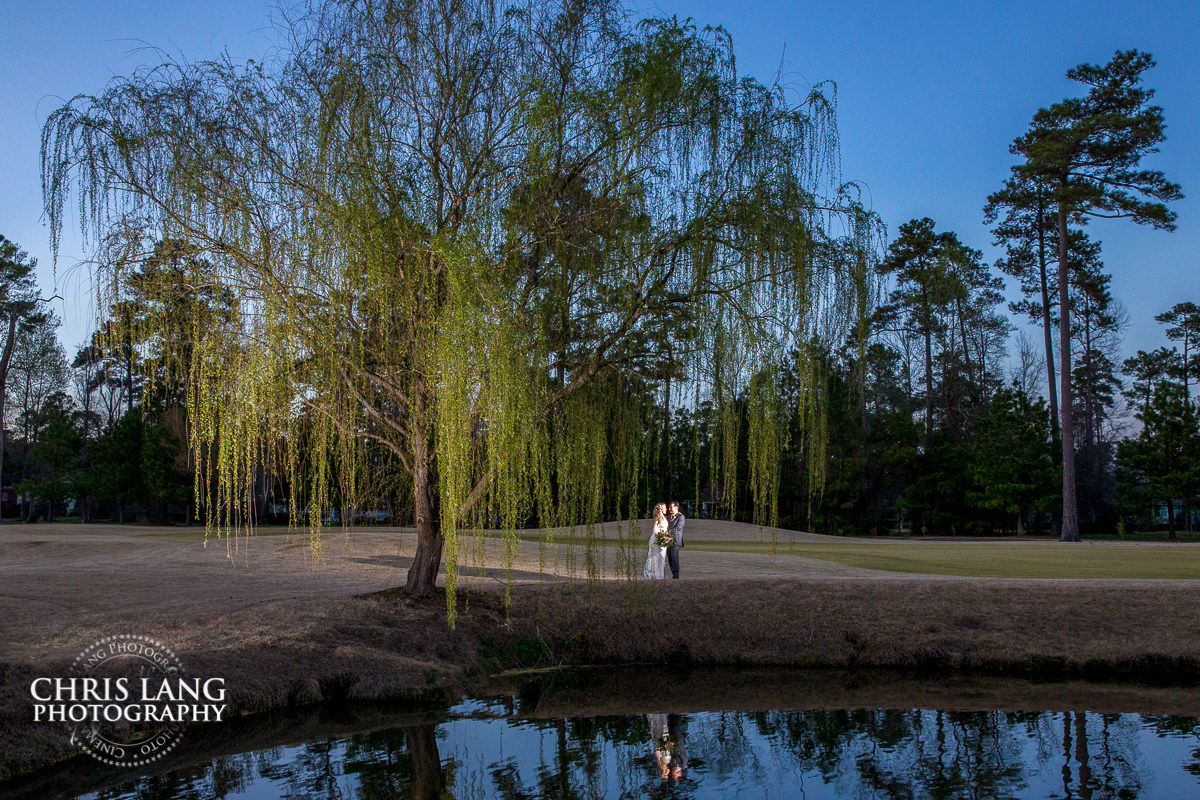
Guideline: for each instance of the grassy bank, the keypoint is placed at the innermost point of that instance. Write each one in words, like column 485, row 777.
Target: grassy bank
column 1101, row 629
column 384, row 645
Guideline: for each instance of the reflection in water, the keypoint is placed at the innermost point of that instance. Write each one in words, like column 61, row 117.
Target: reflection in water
column 668, row 735
column 483, row 750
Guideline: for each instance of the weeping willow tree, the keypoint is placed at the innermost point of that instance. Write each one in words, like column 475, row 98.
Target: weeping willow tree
column 468, row 233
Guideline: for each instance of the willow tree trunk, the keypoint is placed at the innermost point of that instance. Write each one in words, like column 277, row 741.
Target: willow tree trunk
column 422, row 575
column 1070, row 512
column 428, row 780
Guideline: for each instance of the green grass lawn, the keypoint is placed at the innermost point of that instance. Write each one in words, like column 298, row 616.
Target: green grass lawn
column 1000, row 559
column 993, row 559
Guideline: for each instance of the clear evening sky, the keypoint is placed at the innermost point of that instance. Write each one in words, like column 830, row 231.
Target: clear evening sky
column 930, row 94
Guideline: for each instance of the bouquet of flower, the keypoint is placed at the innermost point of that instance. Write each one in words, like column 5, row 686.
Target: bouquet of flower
column 663, row 538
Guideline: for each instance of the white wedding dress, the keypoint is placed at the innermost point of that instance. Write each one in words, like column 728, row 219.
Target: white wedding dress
column 656, row 559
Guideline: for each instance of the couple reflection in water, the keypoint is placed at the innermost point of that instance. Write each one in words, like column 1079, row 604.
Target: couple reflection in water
column 668, row 734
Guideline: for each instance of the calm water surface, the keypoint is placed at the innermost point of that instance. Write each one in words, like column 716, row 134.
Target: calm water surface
column 484, row 748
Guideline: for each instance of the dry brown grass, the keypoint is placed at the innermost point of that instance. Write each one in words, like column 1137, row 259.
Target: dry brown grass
column 1037, row 627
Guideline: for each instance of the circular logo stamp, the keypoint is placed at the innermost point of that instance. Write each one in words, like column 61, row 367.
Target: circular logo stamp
column 117, row 699
column 127, row 700
column 119, row 672
column 103, row 700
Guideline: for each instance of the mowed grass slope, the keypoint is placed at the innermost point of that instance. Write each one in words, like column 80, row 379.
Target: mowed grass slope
column 1009, row 559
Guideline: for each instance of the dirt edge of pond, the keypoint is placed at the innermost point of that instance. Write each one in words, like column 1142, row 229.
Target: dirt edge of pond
column 388, row 646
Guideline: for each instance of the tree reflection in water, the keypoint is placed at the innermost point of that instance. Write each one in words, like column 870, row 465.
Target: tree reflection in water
column 825, row 753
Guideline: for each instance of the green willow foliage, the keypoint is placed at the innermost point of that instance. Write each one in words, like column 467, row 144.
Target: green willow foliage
column 466, row 232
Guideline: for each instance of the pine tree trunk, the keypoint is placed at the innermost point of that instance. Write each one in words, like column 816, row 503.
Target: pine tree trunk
column 1091, row 421
column 1081, row 756
column 1187, row 374
column 928, row 388
column 1070, row 512
column 5, row 360
column 1187, row 394
column 1047, row 326
column 1066, row 767
column 129, row 379
column 972, row 372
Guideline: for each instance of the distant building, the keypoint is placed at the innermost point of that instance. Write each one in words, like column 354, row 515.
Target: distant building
column 8, row 503
column 1158, row 516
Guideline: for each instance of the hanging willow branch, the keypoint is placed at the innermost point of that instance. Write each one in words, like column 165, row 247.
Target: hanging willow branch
column 470, row 233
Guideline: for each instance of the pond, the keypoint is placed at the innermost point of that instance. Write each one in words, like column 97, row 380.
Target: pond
column 623, row 735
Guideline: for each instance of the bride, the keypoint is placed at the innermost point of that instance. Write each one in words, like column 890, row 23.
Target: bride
column 656, row 559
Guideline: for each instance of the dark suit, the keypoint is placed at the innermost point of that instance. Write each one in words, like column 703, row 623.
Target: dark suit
column 675, row 526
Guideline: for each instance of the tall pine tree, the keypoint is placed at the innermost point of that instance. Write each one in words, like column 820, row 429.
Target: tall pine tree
column 1088, row 151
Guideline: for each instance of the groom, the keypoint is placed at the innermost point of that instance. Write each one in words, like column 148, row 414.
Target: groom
column 675, row 520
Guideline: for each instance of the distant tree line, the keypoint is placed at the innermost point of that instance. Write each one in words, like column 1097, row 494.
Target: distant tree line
column 931, row 427
column 93, row 435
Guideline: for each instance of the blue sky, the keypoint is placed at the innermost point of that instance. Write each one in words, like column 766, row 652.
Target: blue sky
column 930, row 94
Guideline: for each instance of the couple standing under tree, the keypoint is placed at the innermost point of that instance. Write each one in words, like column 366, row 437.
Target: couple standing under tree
column 665, row 540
